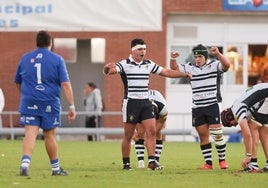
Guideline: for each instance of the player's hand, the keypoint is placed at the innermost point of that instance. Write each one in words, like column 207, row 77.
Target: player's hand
column 109, row 68
column 214, row 50
column 110, row 65
column 174, row 54
column 189, row 75
column 245, row 162
column 71, row 115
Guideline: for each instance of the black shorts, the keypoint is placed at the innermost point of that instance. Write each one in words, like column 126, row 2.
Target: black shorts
column 206, row 115
column 137, row 110
column 261, row 118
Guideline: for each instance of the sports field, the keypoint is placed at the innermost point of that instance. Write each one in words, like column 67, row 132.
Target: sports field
column 98, row 164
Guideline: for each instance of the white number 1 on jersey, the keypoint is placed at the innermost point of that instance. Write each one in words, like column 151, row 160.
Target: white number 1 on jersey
column 38, row 72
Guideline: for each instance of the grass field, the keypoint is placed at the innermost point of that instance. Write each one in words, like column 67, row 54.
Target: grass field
column 98, row 164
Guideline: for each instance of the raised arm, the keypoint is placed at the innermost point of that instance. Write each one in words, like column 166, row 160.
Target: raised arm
column 224, row 61
column 173, row 63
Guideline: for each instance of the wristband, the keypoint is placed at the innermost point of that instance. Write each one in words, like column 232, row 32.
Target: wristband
column 72, row 107
column 248, row 154
column 172, row 59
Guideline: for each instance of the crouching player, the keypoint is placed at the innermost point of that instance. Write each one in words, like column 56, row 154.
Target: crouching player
column 160, row 109
column 250, row 111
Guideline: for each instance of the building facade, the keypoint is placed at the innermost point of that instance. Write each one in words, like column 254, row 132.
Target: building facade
column 240, row 34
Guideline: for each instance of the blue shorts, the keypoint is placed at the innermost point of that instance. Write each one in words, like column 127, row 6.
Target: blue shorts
column 43, row 122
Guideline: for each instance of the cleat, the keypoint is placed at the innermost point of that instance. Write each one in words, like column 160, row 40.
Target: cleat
column 127, row 166
column 59, row 172
column 265, row 170
column 206, row 167
column 250, row 170
column 154, row 166
column 24, row 171
column 223, row 165
column 141, row 164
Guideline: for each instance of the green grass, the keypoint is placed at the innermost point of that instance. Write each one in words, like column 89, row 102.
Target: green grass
column 98, row 164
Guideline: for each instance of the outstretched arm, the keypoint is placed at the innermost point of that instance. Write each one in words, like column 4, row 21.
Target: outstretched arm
column 174, row 74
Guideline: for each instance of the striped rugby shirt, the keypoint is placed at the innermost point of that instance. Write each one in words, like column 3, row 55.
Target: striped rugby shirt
column 253, row 95
column 205, row 82
column 135, row 77
column 156, row 96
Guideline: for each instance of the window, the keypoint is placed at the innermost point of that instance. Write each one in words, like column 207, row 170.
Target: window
column 67, row 48
column 257, row 64
column 98, row 50
column 235, row 54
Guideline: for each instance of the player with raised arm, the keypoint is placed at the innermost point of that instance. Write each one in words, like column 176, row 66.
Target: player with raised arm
column 206, row 96
column 137, row 108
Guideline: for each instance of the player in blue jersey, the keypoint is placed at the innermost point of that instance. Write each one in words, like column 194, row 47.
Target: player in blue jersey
column 40, row 76
column 250, row 111
column 205, row 83
column 137, row 108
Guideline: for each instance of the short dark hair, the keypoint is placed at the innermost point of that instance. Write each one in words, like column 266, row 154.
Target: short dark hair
column 137, row 41
column 43, row 39
column 226, row 117
column 91, row 84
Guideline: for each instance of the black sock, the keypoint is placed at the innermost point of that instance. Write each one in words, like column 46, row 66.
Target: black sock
column 126, row 160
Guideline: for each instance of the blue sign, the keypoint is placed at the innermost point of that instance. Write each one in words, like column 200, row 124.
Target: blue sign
column 245, row 5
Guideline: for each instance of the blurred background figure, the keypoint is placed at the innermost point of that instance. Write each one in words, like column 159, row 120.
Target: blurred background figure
column 93, row 105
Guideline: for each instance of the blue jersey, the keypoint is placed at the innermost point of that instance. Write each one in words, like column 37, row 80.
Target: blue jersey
column 40, row 74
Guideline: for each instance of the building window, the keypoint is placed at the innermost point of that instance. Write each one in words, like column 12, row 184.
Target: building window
column 67, row 48
column 257, row 63
column 235, row 55
column 98, row 50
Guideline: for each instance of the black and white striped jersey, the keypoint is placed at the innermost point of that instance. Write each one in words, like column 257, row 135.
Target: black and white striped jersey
column 248, row 100
column 158, row 98
column 135, row 77
column 205, row 82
